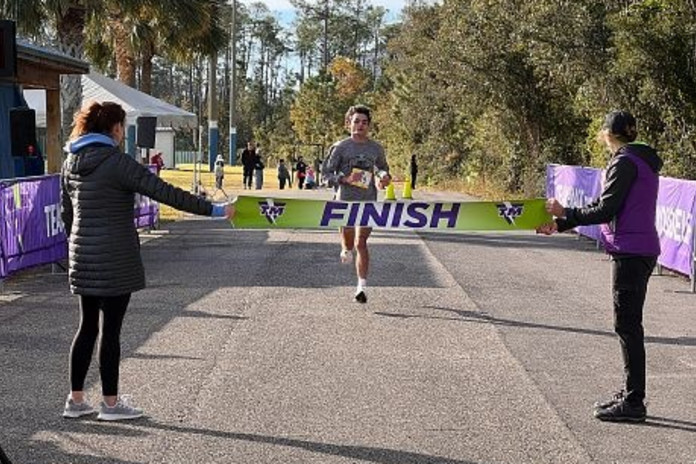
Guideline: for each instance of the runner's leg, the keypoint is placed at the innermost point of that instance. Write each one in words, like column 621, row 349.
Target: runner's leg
column 347, row 243
column 362, row 263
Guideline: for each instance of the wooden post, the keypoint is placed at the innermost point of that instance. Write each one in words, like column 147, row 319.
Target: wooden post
column 54, row 149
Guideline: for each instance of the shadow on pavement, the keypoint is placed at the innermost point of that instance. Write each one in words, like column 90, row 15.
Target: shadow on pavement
column 517, row 239
column 472, row 316
column 361, row 453
column 666, row 423
column 289, row 263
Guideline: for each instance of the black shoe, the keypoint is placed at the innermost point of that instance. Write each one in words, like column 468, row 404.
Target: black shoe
column 622, row 411
column 615, row 398
column 360, row 297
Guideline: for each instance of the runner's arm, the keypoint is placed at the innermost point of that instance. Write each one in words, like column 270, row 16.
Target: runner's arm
column 333, row 175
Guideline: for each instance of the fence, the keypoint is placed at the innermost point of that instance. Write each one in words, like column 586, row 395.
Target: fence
column 577, row 186
column 184, row 157
column 31, row 229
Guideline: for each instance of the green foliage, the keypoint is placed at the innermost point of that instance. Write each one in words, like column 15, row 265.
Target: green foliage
column 484, row 92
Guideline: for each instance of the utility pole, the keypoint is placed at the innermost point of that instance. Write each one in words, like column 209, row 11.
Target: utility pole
column 233, row 93
column 213, row 131
column 325, row 58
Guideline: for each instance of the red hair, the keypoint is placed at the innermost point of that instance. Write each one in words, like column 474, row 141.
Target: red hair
column 97, row 117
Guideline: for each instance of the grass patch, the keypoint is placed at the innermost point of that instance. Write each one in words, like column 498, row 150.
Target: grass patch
column 182, row 177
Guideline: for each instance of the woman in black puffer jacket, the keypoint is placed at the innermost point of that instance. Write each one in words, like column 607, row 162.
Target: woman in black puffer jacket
column 99, row 184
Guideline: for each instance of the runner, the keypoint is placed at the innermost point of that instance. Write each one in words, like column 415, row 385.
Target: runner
column 352, row 167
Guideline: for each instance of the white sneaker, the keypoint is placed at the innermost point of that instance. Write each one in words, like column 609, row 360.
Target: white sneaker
column 347, row 256
column 74, row 410
column 122, row 410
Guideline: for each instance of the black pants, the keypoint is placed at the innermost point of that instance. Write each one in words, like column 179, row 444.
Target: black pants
column 629, row 284
column 248, row 174
column 281, row 181
column 300, row 182
column 413, row 180
column 113, row 309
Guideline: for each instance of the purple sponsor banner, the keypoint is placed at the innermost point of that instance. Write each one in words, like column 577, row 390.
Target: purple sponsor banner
column 675, row 223
column 575, row 187
column 31, row 231
column 676, row 208
column 146, row 210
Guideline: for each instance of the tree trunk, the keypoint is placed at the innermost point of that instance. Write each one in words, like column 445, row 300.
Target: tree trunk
column 148, row 53
column 71, row 38
column 125, row 59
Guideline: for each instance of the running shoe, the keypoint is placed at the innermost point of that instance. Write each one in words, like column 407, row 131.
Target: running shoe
column 74, row 410
column 361, row 297
column 346, row 256
column 122, row 410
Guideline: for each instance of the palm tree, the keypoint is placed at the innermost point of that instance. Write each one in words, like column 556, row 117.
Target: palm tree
column 176, row 29
column 66, row 20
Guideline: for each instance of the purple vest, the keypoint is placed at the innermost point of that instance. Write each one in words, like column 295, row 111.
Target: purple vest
column 633, row 232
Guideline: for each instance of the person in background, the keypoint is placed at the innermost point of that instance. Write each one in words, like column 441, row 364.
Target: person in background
column 301, row 169
column 259, row 166
column 248, row 161
column 283, row 174
column 310, row 179
column 626, row 210
column 219, row 172
column 317, row 170
column 357, row 166
column 413, row 167
column 157, row 161
column 98, row 187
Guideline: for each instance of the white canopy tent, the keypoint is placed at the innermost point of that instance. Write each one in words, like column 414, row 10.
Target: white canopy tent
column 136, row 103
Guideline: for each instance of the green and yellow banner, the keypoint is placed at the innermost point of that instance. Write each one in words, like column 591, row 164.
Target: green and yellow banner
column 286, row 213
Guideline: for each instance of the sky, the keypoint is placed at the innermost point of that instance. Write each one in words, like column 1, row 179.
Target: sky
column 393, row 5
column 284, row 11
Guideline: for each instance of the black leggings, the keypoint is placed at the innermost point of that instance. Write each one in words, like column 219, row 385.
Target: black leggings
column 113, row 309
column 630, row 278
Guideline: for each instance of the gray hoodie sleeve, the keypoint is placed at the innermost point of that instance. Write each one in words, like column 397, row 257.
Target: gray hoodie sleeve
column 330, row 171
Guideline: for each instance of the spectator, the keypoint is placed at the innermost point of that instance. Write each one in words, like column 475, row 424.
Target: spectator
column 98, row 187
column 157, row 161
column 301, row 169
column 248, row 161
column 626, row 211
column 283, row 174
column 258, row 171
column 219, row 171
column 310, row 179
column 414, row 171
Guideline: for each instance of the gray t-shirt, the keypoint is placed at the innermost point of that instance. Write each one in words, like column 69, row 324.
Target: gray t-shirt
column 350, row 156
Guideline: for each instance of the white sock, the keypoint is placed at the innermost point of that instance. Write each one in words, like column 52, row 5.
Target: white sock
column 362, row 285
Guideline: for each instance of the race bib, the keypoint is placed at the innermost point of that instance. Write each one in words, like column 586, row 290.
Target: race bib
column 363, row 181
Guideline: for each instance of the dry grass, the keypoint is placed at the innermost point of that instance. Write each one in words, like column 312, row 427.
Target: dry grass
column 182, row 177
column 481, row 190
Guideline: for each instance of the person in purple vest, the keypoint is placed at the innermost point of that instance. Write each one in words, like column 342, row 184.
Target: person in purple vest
column 626, row 212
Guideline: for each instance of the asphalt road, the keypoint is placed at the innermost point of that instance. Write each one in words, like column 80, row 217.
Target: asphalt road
column 246, row 348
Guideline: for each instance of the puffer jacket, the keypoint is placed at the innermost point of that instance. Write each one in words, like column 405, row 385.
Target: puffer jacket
column 98, row 199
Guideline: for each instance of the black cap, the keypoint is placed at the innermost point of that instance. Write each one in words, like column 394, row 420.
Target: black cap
column 621, row 123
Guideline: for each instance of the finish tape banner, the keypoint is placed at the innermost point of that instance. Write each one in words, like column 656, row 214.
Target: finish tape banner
column 285, row 213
